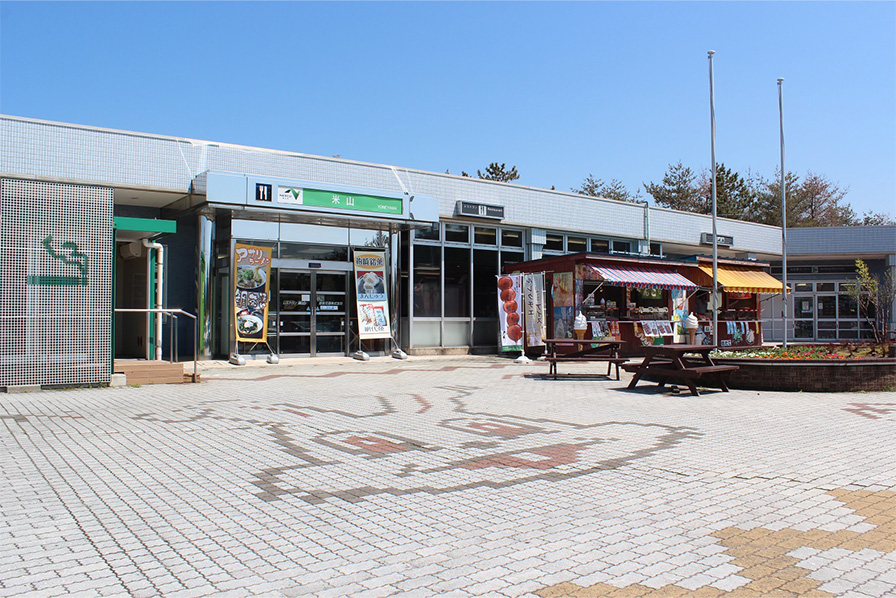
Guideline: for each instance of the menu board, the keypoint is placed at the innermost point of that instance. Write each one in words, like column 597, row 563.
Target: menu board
column 251, row 292
column 370, row 290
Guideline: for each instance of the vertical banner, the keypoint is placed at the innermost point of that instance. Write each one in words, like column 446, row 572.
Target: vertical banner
column 562, row 296
column 251, row 292
column 508, row 312
column 370, row 290
column 679, row 315
column 533, row 289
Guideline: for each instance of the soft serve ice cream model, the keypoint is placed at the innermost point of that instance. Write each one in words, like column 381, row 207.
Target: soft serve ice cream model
column 580, row 326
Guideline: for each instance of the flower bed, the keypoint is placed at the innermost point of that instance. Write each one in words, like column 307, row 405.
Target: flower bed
column 809, row 368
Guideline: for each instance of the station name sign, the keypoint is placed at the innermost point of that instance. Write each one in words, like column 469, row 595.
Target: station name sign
column 479, row 210
column 722, row 240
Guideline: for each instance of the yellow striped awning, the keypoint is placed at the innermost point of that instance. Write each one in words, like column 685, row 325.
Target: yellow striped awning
column 743, row 279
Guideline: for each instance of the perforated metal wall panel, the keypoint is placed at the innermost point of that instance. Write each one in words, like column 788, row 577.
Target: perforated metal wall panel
column 55, row 283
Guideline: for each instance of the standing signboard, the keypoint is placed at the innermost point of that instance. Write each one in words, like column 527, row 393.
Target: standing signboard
column 251, row 292
column 370, row 290
column 533, row 304
column 509, row 295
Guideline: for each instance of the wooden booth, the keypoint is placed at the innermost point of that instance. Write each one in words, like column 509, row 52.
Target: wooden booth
column 639, row 301
column 740, row 285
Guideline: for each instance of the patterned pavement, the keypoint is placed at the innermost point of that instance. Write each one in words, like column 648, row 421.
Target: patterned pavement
column 470, row 476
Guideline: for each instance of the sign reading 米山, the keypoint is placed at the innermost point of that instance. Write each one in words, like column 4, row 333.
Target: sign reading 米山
column 56, row 242
column 251, row 286
column 370, row 288
column 338, row 201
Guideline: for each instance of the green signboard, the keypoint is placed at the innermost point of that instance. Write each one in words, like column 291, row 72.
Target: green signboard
column 339, row 201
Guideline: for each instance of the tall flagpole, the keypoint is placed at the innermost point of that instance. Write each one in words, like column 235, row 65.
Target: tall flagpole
column 783, row 209
column 715, row 245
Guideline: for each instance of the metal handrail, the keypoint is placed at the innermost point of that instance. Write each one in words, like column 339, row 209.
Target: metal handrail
column 172, row 313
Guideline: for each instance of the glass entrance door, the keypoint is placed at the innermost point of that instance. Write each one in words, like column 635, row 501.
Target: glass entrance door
column 313, row 312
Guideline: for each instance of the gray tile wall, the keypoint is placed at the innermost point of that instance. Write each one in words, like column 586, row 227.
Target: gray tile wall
column 43, row 149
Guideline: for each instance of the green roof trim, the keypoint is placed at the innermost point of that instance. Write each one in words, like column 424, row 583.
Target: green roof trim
column 151, row 225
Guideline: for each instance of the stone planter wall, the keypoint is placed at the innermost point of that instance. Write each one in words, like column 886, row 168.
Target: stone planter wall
column 812, row 375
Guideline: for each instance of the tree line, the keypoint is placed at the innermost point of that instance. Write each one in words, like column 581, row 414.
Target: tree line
column 812, row 200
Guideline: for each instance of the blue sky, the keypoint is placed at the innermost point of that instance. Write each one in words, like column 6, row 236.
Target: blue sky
column 560, row 90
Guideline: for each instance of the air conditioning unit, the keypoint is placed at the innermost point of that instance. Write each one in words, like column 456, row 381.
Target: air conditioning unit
column 130, row 251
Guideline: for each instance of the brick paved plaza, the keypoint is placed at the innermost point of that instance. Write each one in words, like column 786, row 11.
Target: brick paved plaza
column 444, row 477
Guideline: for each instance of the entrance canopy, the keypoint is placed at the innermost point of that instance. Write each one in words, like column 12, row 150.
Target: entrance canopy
column 639, row 276
column 741, row 279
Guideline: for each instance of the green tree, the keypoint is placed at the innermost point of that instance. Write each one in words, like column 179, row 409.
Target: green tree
column 498, row 172
column 678, row 190
column 614, row 189
column 734, row 197
column 818, row 203
column 876, row 219
column 875, row 294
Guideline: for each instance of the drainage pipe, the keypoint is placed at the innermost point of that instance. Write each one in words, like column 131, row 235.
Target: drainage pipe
column 160, row 269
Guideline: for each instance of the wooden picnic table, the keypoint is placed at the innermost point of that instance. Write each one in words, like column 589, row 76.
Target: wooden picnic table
column 570, row 349
column 686, row 363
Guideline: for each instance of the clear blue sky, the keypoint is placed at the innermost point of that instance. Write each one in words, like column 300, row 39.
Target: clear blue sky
column 560, row 90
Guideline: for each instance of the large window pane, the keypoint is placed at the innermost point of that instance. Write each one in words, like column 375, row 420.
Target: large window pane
column 359, row 237
column 304, row 251
column 485, row 236
column 457, row 233
column 485, row 270
column 457, row 282
column 576, row 244
column 313, row 234
column 827, row 306
column 508, row 258
column 553, row 242
column 427, row 334
column 803, row 329
column 847, row 306
column 430, row 234
column 803, row 307
column 427, row 271
column 623, row 246
column 600, row 246
column 511, row 238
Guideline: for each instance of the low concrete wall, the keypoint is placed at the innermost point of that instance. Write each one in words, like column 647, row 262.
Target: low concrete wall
column 812, row 375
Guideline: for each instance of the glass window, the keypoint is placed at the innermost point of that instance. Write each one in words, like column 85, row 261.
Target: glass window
column 314, row 234
column 656, row 249
column 803, row 287
column 457, row 233
column 457, row 282
column 427, row 272
column 485, row 236
column 623, row 246
column 825, row 287
column 359, row 237
column 304, row 251
column 827, row 306
column 251, row 229
column 485, row 270
column 803, row 329
column 576, row 244
column 430, row 234
column 508, row 258
column 847, row 306
column 847, row 287
column 600, row 246
column 511, row 238
column 803, row 307
column 553, row 242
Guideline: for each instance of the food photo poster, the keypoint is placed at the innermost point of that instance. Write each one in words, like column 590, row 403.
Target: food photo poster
column 251, row 292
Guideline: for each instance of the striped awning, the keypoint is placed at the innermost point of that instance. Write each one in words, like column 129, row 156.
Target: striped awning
column 641, row 277
column 743, row 279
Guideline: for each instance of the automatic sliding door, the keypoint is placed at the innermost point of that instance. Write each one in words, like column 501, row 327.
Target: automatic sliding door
column 313, row 312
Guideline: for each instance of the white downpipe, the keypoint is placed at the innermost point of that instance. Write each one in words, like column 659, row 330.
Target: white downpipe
column 160, row 269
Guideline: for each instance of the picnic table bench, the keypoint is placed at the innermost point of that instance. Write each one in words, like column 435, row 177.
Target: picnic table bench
column 582, row 351
column 665, row 362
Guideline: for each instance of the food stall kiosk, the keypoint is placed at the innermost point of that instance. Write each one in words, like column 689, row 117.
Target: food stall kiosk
column 740, row 285
column 639, row 301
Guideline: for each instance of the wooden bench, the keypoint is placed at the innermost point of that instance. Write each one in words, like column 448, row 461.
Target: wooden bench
column 611, row 361
column 582, row 350
column 671, row 362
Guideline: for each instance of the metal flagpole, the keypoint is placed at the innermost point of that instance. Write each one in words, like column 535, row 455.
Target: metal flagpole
column 715, row 245
column 783, row 211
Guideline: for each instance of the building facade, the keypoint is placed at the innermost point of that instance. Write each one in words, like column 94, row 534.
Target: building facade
column 444, row 238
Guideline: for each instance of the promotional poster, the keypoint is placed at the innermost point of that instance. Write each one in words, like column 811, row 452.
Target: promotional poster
column 251, row 292
column 509, row 296
column 370, row 290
